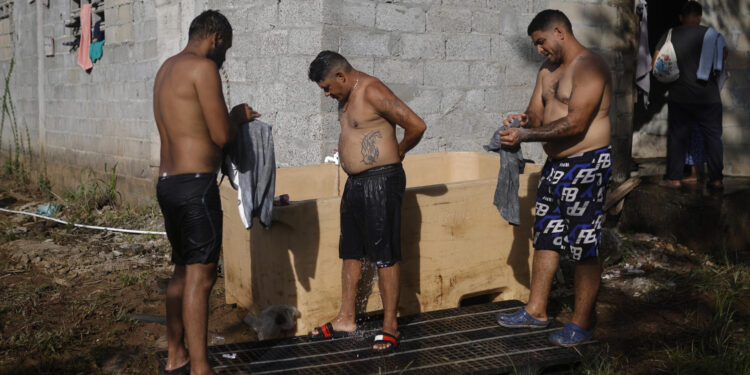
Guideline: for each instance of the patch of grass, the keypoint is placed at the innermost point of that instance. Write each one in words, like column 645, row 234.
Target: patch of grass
column 132, row 278
column 94, row 193
column 603, row 363
column 715, row 349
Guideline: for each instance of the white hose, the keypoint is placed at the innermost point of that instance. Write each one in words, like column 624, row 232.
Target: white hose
column 133, row 231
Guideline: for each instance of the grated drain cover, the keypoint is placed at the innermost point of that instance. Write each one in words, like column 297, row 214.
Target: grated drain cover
column 465, row 340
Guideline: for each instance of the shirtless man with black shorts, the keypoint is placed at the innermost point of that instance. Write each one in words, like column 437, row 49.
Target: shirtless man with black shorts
column 569, row 114
column 194, row 126
column 371, row 203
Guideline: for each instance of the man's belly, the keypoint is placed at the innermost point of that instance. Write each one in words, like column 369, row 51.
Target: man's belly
column 356, row 159
column 596, row 136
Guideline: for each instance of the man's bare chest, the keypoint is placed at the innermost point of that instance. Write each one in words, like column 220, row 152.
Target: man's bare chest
column 557, row 87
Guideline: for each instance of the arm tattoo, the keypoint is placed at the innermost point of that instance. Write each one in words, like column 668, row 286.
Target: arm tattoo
column 554, row 130
column 395, row 109
column 370, row 151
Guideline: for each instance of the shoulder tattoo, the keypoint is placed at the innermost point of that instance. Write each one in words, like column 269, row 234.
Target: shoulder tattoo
column 395, row 109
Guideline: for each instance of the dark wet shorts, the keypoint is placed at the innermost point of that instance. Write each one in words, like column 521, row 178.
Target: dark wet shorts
column 570, row 201
column 192, row 216
column 371, row 215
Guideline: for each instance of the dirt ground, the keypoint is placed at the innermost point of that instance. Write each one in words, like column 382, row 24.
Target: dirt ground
column 73, row 301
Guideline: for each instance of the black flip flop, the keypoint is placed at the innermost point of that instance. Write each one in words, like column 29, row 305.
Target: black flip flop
column 386, row 338
column 185, row 369
column 326, row 332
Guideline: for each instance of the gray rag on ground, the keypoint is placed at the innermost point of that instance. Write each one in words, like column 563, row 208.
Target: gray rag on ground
column 250, row 164
column 511, row 165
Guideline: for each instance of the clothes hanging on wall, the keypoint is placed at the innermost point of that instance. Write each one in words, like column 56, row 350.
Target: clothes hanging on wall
column 84, row 60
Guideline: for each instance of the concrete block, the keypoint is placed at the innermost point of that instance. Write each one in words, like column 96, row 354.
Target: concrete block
column 451, row 100
column 425, row 102
column 446, row 73
column 486, row 73
column 394, row 17
column 486, row 21
column 274, row 43
column 601, row 15
column 445, row 19
column 391, row 70
column 468, row 47
column 125, row 13
column 588, row 36
column 304, row 41
column 426, row 46
column 262, row 17
column 474, row 100
column 124, row 33
column 363, row 63
column 296, row 13
column 357, row 13
column 330, row 38
column 520, row 75
column 365, row 43
column 520, row 6
column 293, row 70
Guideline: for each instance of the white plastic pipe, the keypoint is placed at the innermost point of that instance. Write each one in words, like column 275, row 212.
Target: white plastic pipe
column 132, row 231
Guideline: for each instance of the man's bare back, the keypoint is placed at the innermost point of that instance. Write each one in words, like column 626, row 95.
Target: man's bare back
column 368, row 138
column 191, row 115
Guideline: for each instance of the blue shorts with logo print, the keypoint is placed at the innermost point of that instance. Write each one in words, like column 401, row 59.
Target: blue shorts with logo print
column 570, row 202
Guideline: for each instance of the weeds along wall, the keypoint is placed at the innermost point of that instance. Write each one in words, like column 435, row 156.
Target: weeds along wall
column 462, row 65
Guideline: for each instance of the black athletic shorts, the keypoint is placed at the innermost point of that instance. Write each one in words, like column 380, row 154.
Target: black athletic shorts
column 371, row 215
column 192, row 216
column 570, row 201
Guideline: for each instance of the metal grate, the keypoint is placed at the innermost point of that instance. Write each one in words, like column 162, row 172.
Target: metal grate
column 464, row 340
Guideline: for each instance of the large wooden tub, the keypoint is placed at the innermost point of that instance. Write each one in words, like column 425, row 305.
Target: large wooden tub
column 455, row 245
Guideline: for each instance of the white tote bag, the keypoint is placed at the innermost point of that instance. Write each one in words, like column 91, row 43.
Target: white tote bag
column 665, row 68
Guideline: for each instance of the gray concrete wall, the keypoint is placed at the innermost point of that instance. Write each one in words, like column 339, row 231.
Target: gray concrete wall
column 732, row 19
column 461, row 65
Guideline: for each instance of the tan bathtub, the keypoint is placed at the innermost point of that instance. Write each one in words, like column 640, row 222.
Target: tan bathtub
column 455, row 244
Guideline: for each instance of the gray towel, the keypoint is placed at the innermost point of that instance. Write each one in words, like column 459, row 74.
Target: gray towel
column 250, row 164
column 511, row 165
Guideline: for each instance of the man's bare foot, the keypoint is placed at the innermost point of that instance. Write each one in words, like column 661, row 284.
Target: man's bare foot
column 690, row 180
column 673, row 184
column 716, row 185
column 335, row 328
column 386, row 343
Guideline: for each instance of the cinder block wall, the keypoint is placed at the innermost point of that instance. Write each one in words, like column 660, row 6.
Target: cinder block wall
column 732, row 19
column 461, row 65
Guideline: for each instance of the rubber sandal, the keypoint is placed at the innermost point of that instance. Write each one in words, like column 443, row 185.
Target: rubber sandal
column 185, row 369
column 570, row 335
column 386, row 338
column 521, row 319
column 326, row 332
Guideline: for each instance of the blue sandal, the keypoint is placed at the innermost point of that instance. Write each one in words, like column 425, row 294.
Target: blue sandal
column 521, row 319
column 570, row 335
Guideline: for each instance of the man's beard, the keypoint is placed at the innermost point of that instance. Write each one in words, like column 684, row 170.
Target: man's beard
column 217, row 57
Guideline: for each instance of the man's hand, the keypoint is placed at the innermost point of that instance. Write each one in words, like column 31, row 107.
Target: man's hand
column 242, row 113
column 523, row 119
column 512, row 136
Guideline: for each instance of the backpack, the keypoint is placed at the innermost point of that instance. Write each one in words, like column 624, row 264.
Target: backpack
column 665, row 67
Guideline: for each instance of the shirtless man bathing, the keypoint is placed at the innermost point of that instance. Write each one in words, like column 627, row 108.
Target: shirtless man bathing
column 194, row 125
column 371, row 203
column 569, row 114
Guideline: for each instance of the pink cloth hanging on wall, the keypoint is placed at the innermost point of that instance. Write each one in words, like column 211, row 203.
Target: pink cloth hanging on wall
column 84, row 61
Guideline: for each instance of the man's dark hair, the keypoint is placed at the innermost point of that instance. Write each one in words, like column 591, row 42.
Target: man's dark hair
column 691, row 8
column 545, row 19
column 325, row 63
column 209, row 22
